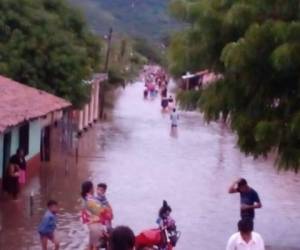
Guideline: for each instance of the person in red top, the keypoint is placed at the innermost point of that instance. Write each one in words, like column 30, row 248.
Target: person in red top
column 92, row 212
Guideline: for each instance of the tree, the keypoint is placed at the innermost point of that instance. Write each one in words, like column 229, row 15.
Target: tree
column 151, row 51
column 255, row 45
column 46, row 44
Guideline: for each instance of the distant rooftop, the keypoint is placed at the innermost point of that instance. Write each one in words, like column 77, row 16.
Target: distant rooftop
column 19, row 103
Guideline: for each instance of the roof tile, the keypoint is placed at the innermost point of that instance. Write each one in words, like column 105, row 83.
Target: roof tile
column 19, row 103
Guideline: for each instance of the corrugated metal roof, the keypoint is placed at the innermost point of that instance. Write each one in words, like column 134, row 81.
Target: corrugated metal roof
column 99, row 77
column 188, row 75
column 19, row 103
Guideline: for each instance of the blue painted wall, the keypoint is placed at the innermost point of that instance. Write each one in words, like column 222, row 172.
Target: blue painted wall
column 13, row 147
column 34, row 141
column 14, row 140
column 34, row 138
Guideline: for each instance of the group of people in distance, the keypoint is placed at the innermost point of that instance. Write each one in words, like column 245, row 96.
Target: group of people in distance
column 246, row 238
column 156, row 80
column 15, row 174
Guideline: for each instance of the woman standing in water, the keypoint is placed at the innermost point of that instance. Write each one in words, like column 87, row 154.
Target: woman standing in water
column 19, row 159
column 91, row 213
column 12, row 178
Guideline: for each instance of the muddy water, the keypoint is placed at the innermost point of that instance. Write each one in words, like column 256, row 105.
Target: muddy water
column 143, row 163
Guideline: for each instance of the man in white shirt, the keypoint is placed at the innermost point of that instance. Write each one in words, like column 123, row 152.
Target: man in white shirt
column 245, row 239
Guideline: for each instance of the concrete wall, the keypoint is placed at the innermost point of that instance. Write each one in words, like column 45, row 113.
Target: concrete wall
column 80, row 120
column 96, row 107
column 1, row 155
column 91, row 105
column 86, row 116
column 14, row 140
column 34, row 138
column 90, row 112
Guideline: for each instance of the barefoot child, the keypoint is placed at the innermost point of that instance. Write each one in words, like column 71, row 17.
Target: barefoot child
column 48, row 225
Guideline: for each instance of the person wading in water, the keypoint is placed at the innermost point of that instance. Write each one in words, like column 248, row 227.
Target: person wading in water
column 19, row 159
column 249, row 198
column 174, row 117
column 12, row 178
column 92, row 213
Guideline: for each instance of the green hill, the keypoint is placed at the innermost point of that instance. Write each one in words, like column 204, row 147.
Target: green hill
column 137, row 18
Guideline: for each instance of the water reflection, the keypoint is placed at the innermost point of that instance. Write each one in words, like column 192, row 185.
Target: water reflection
column 174, row 132
column 138, row 156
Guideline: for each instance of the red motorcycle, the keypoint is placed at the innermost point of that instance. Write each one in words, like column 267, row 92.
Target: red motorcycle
column 160, row 239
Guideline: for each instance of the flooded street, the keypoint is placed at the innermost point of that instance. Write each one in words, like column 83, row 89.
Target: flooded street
column 142, row 163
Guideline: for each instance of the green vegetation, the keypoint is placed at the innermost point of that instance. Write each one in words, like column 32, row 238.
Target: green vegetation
column 139, row 28
column 255, row 45
column 135, row 18
column 46, row 44
column 125, row 61
column 188, row 99
column 124, row 65
column 152, row 53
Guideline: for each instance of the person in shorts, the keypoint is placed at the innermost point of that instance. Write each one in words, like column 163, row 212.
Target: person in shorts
column 174, row 117
column 47, row 226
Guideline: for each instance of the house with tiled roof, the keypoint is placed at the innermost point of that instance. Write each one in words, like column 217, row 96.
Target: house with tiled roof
column 26, row 117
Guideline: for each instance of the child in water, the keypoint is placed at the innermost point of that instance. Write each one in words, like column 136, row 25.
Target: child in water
column 174, row 117
column 166, row 222
column 48, row 225
column 101, row 198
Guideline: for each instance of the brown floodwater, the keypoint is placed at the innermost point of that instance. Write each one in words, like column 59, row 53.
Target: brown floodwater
column 143, row 163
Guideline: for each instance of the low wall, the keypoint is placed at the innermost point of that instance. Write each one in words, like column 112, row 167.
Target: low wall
column 33, row 166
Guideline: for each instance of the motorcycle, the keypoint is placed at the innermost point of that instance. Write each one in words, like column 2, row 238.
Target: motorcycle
column 164, row 238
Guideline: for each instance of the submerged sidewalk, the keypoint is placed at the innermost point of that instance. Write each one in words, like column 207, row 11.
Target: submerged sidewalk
column 59, row 179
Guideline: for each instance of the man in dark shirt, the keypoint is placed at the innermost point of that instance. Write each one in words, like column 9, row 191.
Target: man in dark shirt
column 249, row 198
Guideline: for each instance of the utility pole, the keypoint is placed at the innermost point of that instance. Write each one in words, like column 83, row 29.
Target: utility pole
column 108, row 49
column 102, row 96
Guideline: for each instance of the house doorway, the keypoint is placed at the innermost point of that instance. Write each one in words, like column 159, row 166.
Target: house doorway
column 6, row 152
column 24, row 138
